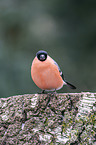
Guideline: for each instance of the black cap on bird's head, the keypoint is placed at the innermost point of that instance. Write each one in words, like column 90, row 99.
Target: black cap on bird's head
column 41, row 55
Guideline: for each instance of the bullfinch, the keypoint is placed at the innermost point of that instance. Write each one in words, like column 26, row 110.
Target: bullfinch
column 46, row 73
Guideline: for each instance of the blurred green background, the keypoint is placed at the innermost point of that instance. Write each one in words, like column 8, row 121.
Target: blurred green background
column 66, row 29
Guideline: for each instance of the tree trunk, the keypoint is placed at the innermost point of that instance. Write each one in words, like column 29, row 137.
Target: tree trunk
column 51, row 119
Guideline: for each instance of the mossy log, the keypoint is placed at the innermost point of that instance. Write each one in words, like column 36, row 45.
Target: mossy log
column 48, row 119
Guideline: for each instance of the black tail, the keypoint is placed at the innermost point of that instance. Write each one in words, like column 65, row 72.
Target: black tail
column 70, row 85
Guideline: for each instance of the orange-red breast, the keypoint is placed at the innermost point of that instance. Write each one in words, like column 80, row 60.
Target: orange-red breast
column 46, row 73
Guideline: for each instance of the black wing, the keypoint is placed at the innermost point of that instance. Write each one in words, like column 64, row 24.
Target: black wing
column 61, row 74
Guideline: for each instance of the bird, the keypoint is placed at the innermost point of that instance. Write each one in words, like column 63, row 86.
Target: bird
column 47, row 74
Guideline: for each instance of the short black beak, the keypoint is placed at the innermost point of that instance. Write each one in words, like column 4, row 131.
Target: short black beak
column 42, row 57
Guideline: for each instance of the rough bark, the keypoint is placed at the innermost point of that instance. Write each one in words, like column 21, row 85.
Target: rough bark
column 53, row 119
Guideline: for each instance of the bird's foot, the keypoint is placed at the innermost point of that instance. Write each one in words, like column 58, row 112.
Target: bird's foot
column 42, row 92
